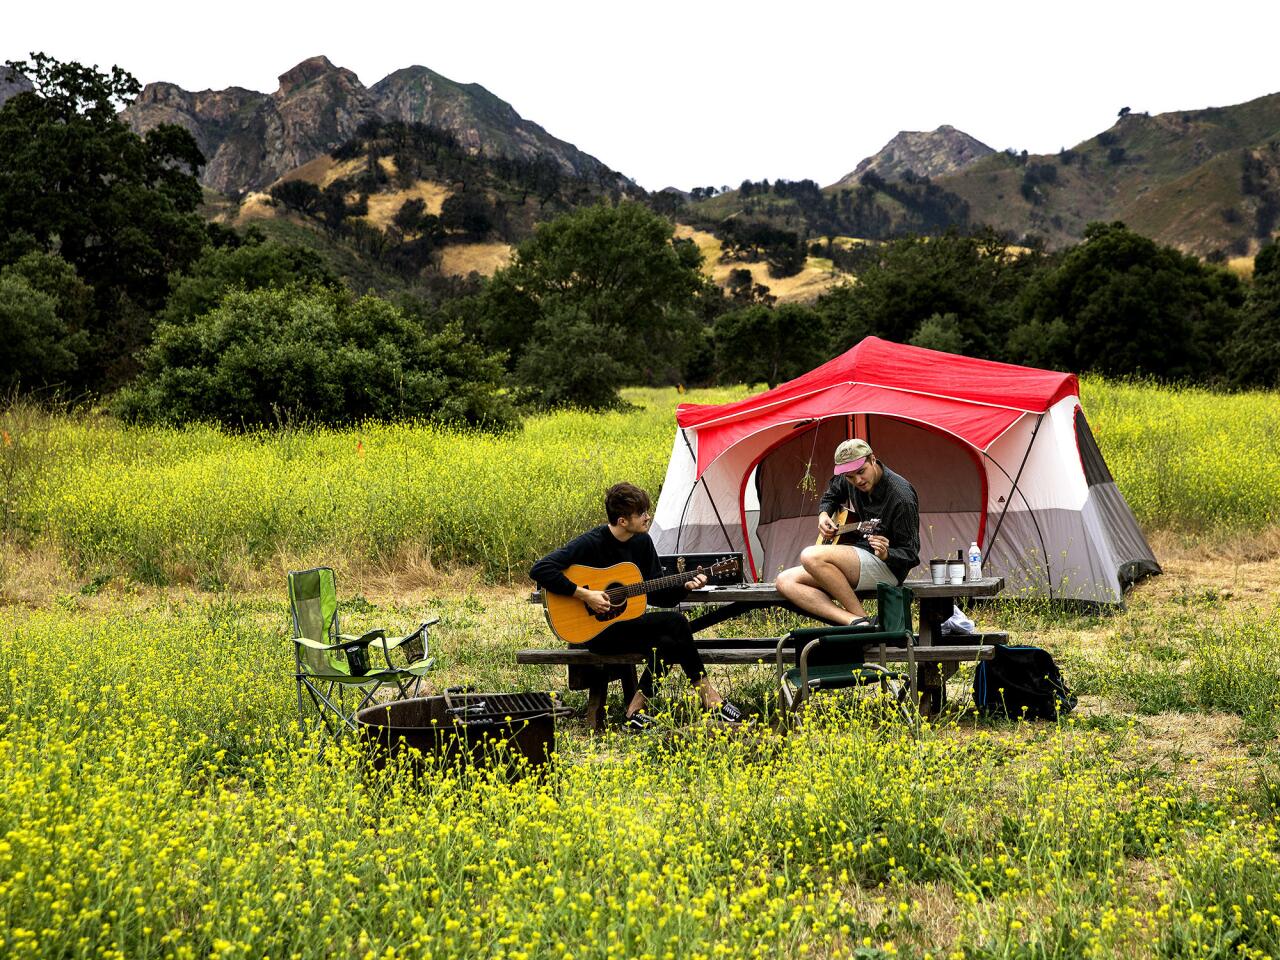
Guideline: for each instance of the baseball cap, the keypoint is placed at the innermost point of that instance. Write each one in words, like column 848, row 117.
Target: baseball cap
column 851, row 455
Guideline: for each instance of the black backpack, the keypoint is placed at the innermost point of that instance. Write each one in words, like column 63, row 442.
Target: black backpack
column 1021, row 683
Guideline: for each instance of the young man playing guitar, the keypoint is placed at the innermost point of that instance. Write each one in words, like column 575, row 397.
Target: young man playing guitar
column 663, row 635
column 829, row 573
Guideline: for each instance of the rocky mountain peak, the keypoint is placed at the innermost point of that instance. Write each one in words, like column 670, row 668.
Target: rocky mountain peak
column 310, row 70
column 13, row 83
column 163, row 92
column 925, row 153
column 250, row 139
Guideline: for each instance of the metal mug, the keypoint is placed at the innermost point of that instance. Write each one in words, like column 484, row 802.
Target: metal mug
column 357, row 658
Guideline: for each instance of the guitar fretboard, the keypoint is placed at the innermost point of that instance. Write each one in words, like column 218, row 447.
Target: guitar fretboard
column 652, row 586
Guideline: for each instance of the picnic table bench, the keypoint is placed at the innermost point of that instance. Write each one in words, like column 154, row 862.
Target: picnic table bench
column 937, row 655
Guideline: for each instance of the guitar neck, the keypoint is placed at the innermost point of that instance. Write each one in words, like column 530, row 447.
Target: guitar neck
column 652, row 586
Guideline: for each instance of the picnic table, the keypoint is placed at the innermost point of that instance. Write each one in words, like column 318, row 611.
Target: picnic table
column 937, row 655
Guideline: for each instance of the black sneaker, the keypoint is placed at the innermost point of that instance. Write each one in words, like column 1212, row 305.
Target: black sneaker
column 726, row 712
column 639, row 722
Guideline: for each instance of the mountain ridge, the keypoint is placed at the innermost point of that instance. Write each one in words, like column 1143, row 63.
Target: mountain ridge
column 924, row 153
column 250, row 139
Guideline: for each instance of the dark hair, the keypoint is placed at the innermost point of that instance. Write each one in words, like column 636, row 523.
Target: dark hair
column 624, row 500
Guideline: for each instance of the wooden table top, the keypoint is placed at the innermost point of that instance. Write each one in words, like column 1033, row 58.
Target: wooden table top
column 765, row 593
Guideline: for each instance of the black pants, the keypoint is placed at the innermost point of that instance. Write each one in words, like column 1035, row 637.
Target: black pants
column 665, row 639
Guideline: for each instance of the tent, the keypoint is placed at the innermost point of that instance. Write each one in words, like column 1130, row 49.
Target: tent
column 997, row 453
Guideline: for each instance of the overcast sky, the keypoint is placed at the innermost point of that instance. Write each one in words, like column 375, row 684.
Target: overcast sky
column 709, row 93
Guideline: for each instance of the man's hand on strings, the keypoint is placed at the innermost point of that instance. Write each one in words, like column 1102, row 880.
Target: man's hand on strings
column 596, row 600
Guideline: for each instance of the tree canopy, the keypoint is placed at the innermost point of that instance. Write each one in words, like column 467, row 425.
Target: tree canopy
column 1121, row 304
column 595, row 299
column 1253, row 354
column 121, row 209
column 318, row 355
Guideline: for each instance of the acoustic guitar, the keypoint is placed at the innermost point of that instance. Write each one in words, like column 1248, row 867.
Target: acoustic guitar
column 573, row 621
column 842, row 528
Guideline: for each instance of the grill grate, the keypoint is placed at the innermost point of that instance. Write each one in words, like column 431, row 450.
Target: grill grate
column 491, row 707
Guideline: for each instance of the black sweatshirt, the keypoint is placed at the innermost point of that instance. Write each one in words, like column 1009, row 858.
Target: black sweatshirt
column 893, row 502
column 600, row 548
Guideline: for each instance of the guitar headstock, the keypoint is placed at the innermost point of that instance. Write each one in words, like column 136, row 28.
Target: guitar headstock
column 727, row 565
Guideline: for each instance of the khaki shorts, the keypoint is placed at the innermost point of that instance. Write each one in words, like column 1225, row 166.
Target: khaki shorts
column 872, row 570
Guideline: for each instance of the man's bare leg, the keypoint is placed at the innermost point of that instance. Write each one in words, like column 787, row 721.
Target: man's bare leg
column 822, row 580
column 835, row 570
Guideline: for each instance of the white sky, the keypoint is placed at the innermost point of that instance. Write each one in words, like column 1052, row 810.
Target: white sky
column 709, row 93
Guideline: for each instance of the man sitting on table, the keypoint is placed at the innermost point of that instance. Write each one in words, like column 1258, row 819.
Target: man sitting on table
column 828, row 575
column 662, row 636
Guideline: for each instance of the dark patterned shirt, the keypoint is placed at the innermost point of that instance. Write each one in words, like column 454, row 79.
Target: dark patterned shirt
column 894, row 503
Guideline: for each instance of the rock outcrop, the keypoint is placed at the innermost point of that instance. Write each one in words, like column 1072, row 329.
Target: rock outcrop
column 12, row 83
column 481, row 121
column 250, row 139
column 924, row 153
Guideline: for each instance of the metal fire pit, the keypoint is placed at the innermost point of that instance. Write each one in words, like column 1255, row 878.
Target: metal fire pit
column 465, row 727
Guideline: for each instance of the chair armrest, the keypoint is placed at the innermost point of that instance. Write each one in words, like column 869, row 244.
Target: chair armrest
column 317, row 645
column 392, row 642
column 388, row 644
column 363, row 640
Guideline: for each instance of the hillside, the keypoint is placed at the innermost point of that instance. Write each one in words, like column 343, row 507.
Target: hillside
column 932, row 154
column 402, row 204
column 1206, row 181
column 250, row 139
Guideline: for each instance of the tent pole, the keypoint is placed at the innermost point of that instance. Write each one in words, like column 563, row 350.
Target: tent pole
column 1008, row 503
column 710, row 499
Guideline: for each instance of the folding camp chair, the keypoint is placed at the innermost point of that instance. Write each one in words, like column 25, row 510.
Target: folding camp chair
column 338, row 669
column 819, row 646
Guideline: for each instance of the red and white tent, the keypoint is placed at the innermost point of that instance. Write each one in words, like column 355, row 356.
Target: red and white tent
column 997, row 453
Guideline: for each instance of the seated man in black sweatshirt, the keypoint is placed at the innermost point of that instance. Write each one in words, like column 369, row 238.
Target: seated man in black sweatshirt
column 663, row 635
column 828, row 575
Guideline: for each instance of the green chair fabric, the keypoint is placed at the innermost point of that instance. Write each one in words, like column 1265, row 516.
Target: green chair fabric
column 892, row 629
column 339, row 672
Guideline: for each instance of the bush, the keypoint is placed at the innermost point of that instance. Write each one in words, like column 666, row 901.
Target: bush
column 45, row 309
column 316, row 354
column 34, row 337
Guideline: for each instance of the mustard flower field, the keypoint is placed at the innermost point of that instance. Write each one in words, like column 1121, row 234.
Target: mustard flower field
column 159, row 799
column 200, row 506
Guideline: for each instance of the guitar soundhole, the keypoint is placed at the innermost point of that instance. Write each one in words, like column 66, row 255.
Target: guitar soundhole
column 613, row 612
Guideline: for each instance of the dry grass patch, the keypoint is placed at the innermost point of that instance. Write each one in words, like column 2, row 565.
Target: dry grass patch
column 1232, row 565
column 1242, row 267
column 817, row 277
column 384, row 206
column 255, row 206
column 460, row 259
column 323, row 170
column 1202, row 750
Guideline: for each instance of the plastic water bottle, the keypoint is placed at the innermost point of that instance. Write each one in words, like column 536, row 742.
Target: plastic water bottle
column 975, row 561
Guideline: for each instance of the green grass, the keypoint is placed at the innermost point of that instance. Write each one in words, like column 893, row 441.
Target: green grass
column 197, row 505
column 1189, row 459
column 157, row 798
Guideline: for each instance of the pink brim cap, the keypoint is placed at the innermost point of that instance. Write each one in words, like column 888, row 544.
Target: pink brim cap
column 850, row 466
